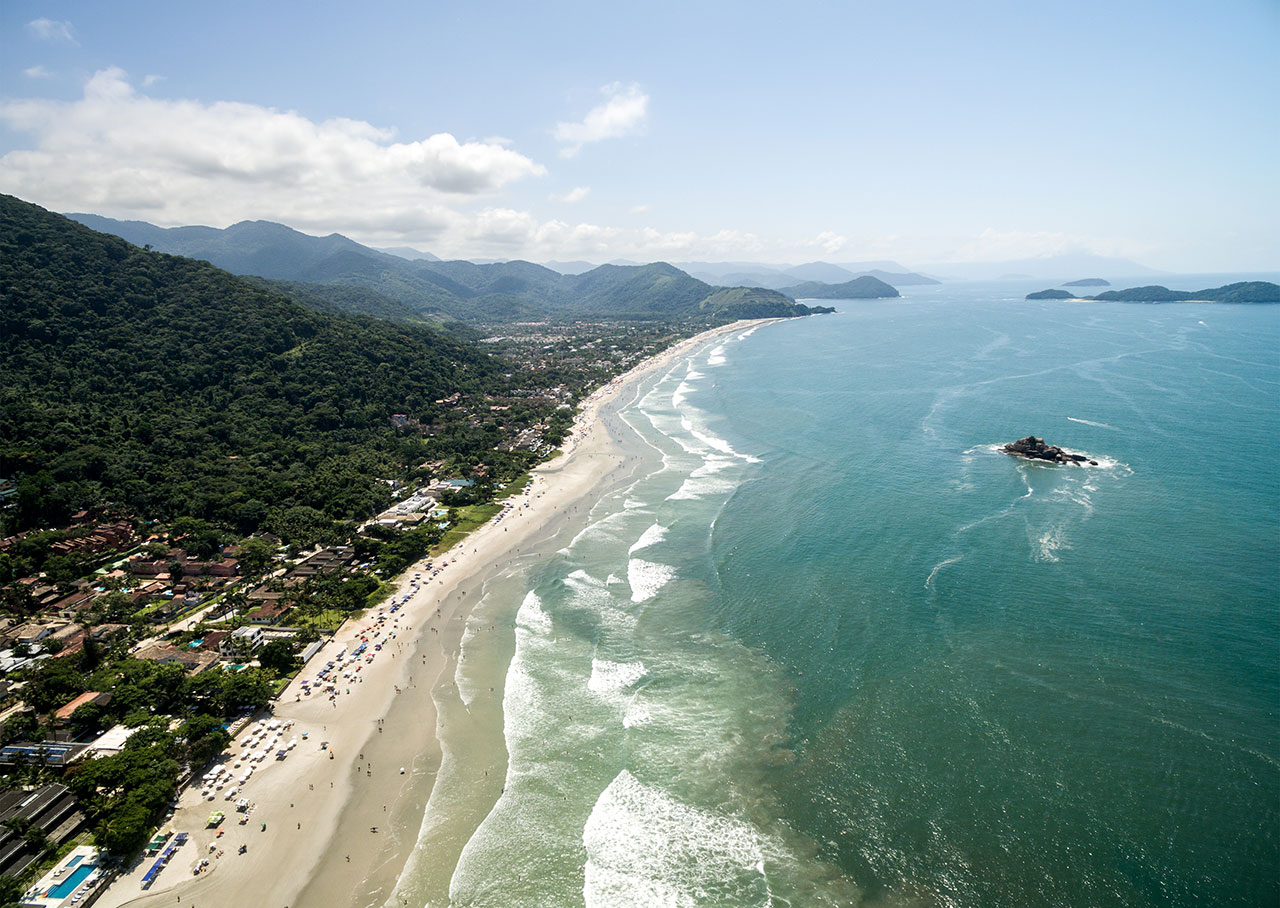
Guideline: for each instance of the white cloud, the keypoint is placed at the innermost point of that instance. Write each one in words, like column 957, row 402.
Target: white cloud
column 151, row 79
column 830, row 243
column 641, row 209
column 36, row 72
column 121, row 153
column 50, row 30
column 623, row 113
column 573, row 196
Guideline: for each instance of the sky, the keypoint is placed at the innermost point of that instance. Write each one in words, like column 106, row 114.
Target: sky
column 919, row 132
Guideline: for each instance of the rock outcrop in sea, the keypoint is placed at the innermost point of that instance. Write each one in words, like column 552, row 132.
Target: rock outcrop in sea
column 1035, row 449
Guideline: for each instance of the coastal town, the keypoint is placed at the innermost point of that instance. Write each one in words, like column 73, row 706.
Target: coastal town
column 152, row 672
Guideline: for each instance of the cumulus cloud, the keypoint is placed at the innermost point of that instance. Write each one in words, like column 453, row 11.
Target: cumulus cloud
column 51, row 30
column 574, row 195
column 624, row 112
column 830, row 242
column 119, row 152
column 36, row 72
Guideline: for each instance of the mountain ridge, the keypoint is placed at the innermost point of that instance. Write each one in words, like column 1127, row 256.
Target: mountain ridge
column 436, row 290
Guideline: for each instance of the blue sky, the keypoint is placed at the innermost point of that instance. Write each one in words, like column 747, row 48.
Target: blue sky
column 918, row 131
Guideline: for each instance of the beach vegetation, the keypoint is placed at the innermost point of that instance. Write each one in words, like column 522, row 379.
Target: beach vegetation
column 466, row 521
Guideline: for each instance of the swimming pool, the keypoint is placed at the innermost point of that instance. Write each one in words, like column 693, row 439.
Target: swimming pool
column 68, row 886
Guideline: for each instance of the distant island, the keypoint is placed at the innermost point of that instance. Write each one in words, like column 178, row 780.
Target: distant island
column 1088, row 282
column 1050, row 295
column 1034, row 448
column 1241, row 292
column 860, row 288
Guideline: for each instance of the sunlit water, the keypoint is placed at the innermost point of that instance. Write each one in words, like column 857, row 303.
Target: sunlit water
column 835, row 648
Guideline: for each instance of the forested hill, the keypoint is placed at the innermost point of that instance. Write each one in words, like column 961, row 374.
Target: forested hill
column 173, row 388
column 454, row 290
column 1242, row 292
column 860, row 288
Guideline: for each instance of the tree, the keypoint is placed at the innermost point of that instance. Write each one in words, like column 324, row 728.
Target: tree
column 21, row 727
column 255, row 553
column 11, row 889
column 156, row 550
column 88, row 719
column 198, row 537
column 241, row 690
column 52, row 684
column 205, row 738
column 277, row 656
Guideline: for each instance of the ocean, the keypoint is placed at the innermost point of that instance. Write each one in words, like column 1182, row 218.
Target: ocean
column 833, row 648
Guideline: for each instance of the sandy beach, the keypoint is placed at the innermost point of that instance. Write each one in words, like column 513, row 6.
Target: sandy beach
column 333, row 823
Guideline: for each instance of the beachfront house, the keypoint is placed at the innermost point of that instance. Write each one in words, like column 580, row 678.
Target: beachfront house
column 241, row 643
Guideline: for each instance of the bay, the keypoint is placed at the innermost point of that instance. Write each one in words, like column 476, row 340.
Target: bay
column 835, row 648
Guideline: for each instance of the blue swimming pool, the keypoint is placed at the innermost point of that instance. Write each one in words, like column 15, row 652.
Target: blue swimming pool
column 68, row 886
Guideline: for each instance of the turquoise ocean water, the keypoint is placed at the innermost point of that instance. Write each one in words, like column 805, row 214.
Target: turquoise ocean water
column 835, row 649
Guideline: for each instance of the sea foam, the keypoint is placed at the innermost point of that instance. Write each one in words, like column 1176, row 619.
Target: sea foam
column 613, row 677
column 646, row 848
column 531, row 617
column 647, row 578
column 651, row 536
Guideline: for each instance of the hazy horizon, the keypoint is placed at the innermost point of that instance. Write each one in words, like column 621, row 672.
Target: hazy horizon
column 927, row 135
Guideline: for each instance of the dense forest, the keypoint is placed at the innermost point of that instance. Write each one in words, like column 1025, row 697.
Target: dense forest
column 173, row 388
column 1242, row 292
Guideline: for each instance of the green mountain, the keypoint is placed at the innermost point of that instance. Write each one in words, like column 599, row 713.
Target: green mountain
column 263, row 248
column 439, row 291
column 173, row 388
column 860, row 288
column 1243, row 292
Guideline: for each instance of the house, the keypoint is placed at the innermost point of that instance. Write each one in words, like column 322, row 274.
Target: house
column 98, row 698
column 105, row 632
column 268, row 612
column 51, row 810
column 193, row 661
column 70, row 607
column 241, row 643
column 29, row 634
column 212, row 641
column 109, row 742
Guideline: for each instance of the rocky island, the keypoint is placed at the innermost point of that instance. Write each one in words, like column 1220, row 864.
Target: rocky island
column 1034, row 448
column 1050, row 295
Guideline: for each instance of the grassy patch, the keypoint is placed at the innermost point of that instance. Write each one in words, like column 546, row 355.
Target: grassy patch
column 468, row 519
column 329, row 619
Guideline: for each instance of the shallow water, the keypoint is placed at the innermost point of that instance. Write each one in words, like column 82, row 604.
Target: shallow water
column 834, row 647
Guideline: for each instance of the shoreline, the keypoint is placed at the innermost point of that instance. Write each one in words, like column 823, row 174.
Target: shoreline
column 344, row 820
